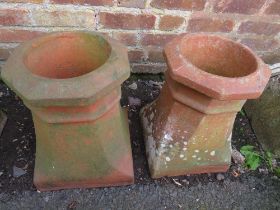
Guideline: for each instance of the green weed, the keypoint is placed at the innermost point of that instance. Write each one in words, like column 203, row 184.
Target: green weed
column 242, row 112
column 253, row 159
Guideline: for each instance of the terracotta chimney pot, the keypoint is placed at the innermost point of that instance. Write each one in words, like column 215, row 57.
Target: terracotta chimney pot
column 71, row 81
column 188, row 128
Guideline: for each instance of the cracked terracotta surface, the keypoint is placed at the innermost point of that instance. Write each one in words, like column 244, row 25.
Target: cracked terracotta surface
column 188, row 129
column 71, row 82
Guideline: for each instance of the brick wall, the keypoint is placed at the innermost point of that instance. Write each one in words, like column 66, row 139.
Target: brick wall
column 145, row 25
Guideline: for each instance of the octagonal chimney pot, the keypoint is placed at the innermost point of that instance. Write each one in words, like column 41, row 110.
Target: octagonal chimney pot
column 71, row 81
column 188, row 128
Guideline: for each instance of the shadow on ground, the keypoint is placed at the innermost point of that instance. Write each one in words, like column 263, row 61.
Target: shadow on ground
column 236, row 189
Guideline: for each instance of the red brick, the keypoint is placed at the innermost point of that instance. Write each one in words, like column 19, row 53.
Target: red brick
column 148, row 68
column 169, row 23
column 132, row 3
column 7, row 35
column 13, row 17
column 23, row 1
column 129, row 39
column 259, row 28
column 78, row 18
column 136, row 56
column 89, row 2
column 127, row 21
column 155, row 54
column 156, row 39
column 238, row 6
column 273, row 8
column 209, row 25
column 179, row 4
column 5, row 53
column 261, row 44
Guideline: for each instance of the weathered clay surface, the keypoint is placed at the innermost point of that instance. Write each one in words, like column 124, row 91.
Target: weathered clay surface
column 188, row 129
column 264, row 115
column 71, row 82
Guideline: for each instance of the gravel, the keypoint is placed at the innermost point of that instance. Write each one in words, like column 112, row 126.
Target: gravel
column 250, row 194
column 236, row 189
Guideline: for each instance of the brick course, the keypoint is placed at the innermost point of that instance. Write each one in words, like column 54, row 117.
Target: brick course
column 156, row 39
column 132, row 3
column 24, row 1
column 169, row 22
column 13, row 17
column 273, row 8
column 136, row 56
column 81, row 2
column 238, row 6
column 259, row 28
column 16, row 35
column 179, row 4
column 210, row 25
column 261, row 45
column 129, row 39
column 144, row 26
column 127, row 21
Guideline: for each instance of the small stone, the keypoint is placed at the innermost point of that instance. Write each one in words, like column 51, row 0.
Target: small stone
column 3, row 120
column 132, row 101
column 220, row 177
column 17, row 172
column 263, row 170
column 212, row 153
column 155, row 83
column 132, row 86
column 47, row 198
column 275, row 177
column 274, row 163
column 1, row 173
column 237, row 157
column 186, row 181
